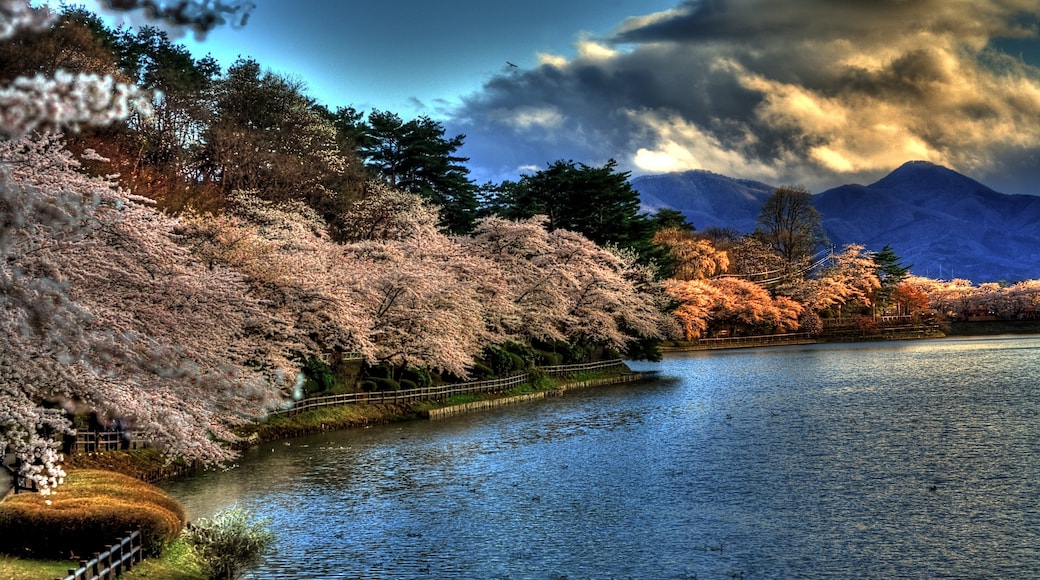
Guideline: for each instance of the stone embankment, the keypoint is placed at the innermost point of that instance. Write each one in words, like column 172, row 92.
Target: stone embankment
column 442, row 412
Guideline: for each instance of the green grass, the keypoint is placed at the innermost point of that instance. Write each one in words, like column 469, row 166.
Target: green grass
column 460, row 399
column 325, row 419
column 176, row 563
column 12, row 568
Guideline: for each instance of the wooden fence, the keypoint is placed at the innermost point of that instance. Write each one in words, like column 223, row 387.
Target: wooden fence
column 563, row 370
column 759, row 340
column 91, row 441
column 440, row 391
column 108, row 565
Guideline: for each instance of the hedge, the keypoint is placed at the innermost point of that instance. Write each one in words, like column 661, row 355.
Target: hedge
column 91, row 509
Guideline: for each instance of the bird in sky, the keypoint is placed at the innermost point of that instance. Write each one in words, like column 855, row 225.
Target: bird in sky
column 511, row 64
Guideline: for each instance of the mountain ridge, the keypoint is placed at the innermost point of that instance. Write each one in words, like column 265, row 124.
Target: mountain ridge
column 940, row 222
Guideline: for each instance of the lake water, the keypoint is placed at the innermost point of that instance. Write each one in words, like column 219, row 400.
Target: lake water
column 872, row 460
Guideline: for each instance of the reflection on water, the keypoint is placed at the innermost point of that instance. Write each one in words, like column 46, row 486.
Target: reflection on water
column 880, row 460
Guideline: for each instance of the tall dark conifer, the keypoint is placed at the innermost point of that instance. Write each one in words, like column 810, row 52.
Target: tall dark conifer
column 598, row 202
column 890, row 272
column 416, row 157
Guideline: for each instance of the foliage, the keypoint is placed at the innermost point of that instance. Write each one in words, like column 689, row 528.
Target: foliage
column 730, row 304
column 960, row 299
column 668, row 218
column 692, row 257
column 501, row 361
column 415, row 157
column 93, row 507
column 597, row 202
column 319, row 374
column 850, row 279
column 560, row 286
column 266, row 137
column 890, row 274
column 384, row 384
column 229, row 542
column 910, row 299
column 102, row 308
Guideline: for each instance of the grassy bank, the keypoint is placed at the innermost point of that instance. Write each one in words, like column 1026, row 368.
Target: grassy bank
column 51, row 534
column 176, row 563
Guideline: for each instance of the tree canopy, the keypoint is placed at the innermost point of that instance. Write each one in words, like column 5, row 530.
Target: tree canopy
column 598, row 202
column 415, row 156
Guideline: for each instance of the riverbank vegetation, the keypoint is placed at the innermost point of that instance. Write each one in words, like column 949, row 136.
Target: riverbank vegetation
column 205, row 246
column 94, row 507
column 256, row 248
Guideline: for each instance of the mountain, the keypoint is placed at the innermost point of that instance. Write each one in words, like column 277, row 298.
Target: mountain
column 706, row 199
column 941, row 223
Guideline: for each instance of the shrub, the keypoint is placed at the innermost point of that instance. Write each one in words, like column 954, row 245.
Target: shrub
column 91, row 509
column 319, row 375
column 481, row 371
column 419, row 376
column 548, row 359
column 382, row 384
column 537, row 379
column 499, row 360
column 524, row 351
column 408, row 385
column 518, row 361
column 866, row 325
column 229, row 542
column 378, row 372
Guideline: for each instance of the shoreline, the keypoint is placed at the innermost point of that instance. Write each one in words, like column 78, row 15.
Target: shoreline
column 149, row 465
column 476, row 406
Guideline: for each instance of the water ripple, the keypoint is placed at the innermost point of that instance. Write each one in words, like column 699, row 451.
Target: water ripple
column 917, row 460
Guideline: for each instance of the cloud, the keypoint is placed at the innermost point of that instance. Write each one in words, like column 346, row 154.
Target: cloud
column 816, row 92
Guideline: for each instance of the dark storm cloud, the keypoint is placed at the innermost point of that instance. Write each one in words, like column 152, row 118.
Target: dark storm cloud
column 797, row 91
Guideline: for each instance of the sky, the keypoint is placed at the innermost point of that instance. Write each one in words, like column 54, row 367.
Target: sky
column 801, row 92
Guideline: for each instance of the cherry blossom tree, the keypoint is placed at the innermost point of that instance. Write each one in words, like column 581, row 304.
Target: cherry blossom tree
column 522, row 251
column 730, row 304
column 695, row 299
column 563, row 287
column 432, row 304
column 64, row 100
column 1022, row 301
column 99, row 306
column 850, row 278
column 909, row 299
column 390, row 214
column 284, row 251
column 694, row 257
column 102, row 309
column 744, row 306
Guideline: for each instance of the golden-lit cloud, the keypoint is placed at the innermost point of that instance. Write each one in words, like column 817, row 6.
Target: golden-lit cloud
column 592, row 50
column 552, row 59
column 818, row 92
column 680, row 146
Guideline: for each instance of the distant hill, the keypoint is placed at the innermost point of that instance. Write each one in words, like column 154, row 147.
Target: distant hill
column 944, row 224
column 706, row 199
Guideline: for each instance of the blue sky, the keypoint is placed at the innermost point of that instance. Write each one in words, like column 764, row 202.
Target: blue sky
column 809, row 92
column 410, row 57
